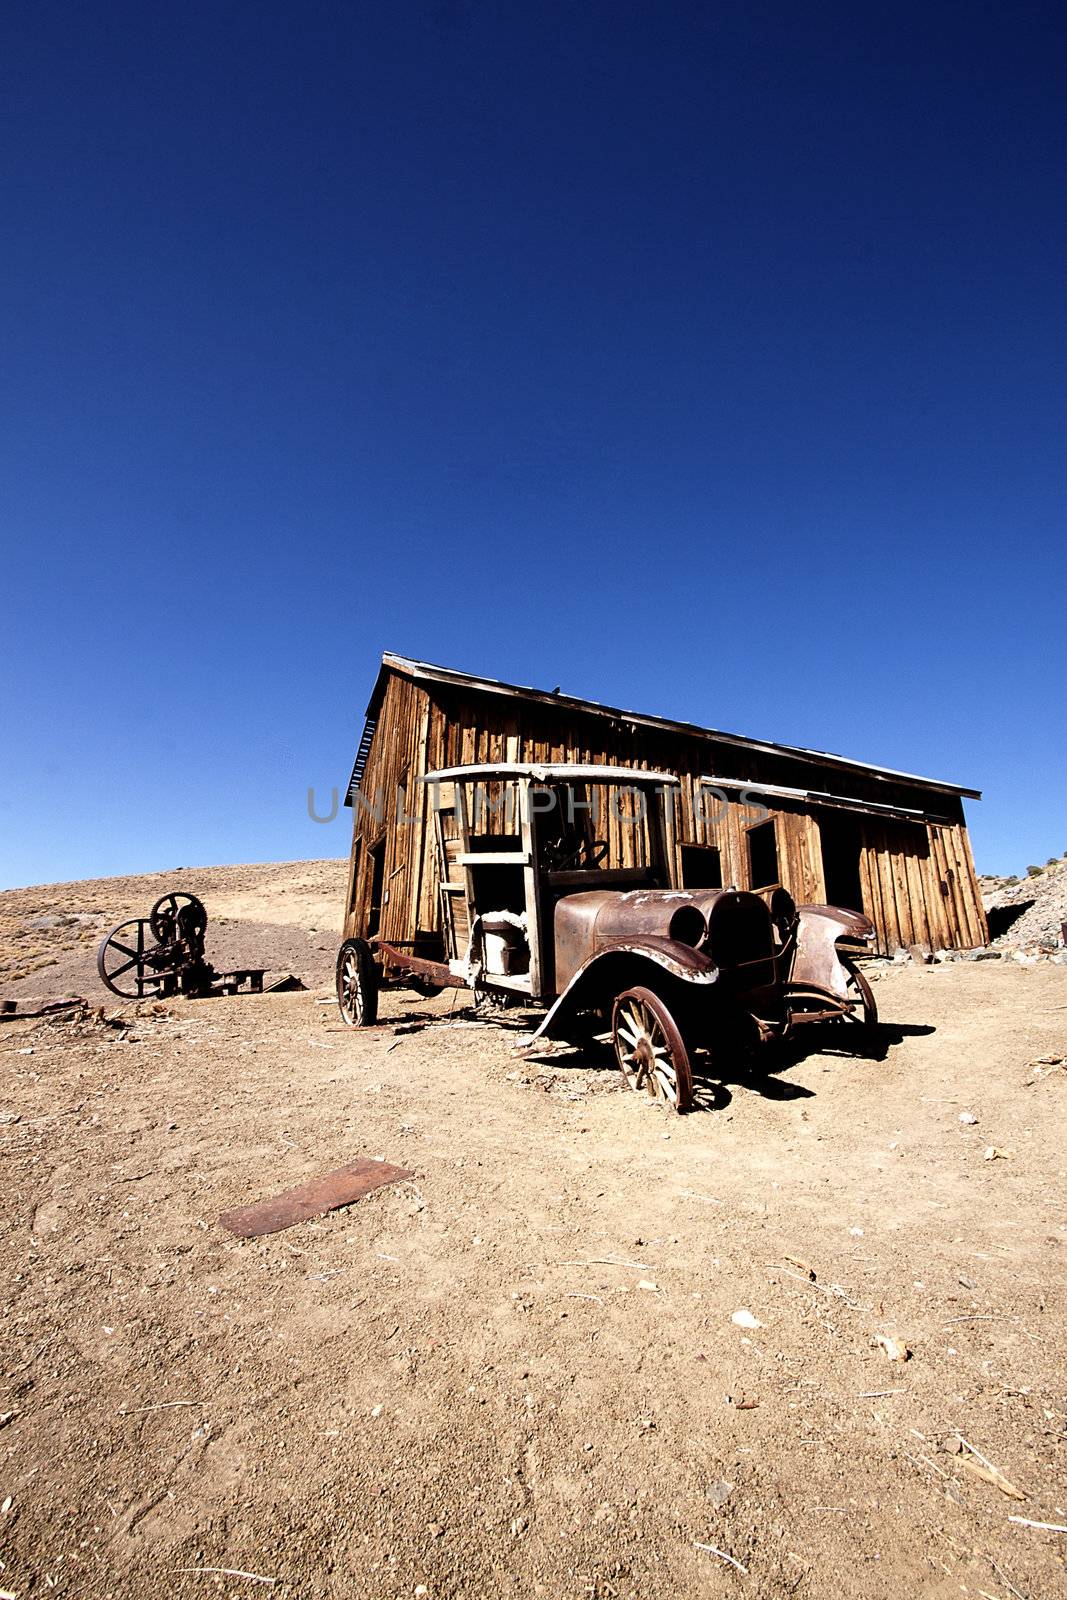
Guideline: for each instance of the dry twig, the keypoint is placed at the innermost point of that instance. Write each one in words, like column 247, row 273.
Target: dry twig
column 163, row 1405
column 982, row 1468
column 925, row 1461
column 229, row 1572
column 609, row 1261
column 834, row 1289
column 1003, row 1576
column 713, row 1550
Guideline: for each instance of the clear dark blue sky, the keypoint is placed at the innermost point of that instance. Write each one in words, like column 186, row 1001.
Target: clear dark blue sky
column 704, row 359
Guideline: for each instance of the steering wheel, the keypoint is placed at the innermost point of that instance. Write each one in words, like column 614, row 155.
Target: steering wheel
column 594, row 852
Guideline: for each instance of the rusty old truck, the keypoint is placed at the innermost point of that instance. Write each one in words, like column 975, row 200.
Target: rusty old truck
column 555, row 890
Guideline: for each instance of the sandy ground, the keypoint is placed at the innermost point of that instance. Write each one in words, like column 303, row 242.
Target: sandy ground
column 517, row 1373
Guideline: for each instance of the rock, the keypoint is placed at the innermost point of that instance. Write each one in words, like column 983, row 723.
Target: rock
column 718, row 1493
column 968, row 1118
column 745, row 1319
column 895, row 1349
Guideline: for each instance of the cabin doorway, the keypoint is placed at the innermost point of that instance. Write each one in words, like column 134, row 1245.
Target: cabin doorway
column 763, row 869
column 376, row 854
column 840, row 835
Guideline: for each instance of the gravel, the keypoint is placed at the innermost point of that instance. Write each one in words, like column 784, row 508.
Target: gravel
column 1031, row 911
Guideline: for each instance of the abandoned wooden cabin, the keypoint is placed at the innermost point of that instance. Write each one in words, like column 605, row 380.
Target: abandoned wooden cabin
column 748, row 813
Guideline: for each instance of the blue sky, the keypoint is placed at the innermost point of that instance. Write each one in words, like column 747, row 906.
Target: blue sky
column 706, row 360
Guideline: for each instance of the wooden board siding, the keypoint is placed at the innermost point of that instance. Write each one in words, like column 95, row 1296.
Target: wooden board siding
column 917, row 878
column 398, row 755
column 919, row 886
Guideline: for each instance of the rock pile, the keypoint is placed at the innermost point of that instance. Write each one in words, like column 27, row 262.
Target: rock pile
column 1027, row 913
column 1023, row 956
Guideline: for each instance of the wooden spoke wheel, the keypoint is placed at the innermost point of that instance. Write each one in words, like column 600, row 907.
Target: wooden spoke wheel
column 650, row 1049
column 357, row 984
column 858, row 992
column 120, row 960
column 178, row 915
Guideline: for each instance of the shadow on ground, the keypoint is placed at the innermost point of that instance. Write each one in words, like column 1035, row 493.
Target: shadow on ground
column 760, row 1070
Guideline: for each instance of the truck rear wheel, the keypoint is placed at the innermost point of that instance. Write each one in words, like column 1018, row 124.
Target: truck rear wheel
column 357, row 984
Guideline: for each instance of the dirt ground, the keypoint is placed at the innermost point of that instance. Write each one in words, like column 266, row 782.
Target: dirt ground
column 518, row 1373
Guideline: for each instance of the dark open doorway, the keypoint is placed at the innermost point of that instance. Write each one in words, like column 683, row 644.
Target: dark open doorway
column 763, row 869
column 377, row 884
column 840, row 836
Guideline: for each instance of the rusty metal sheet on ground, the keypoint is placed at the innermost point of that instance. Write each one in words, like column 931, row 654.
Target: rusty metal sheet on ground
column 10, row 1012
column 312, row 1199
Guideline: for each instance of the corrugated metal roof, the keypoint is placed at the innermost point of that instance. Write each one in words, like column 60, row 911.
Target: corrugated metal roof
column 820, row 797
column 577, row 771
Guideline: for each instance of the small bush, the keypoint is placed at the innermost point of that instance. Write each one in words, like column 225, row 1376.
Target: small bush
column 1052, row 861
column 1034, row 872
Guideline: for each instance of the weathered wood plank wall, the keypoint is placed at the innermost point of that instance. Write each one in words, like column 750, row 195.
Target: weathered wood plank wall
column 918, row 880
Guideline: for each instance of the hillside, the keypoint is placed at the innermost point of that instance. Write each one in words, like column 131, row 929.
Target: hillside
column 1027, row 911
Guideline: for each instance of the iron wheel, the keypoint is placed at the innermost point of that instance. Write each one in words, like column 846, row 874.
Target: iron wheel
column 177, row 914
column 122, row 955
column 357, row 984
column 858, row 991
column 650, row 1049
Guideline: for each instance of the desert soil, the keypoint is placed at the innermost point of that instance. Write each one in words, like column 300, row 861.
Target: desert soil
column 517, row 1372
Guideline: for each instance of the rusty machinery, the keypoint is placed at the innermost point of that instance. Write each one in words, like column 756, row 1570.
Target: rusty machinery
column 163, row 954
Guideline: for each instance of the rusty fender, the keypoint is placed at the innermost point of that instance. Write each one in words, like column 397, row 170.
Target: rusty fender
column 817, row 960
column 593, row 979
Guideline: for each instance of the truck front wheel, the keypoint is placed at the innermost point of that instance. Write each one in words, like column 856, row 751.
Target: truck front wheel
column 650, row 1049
